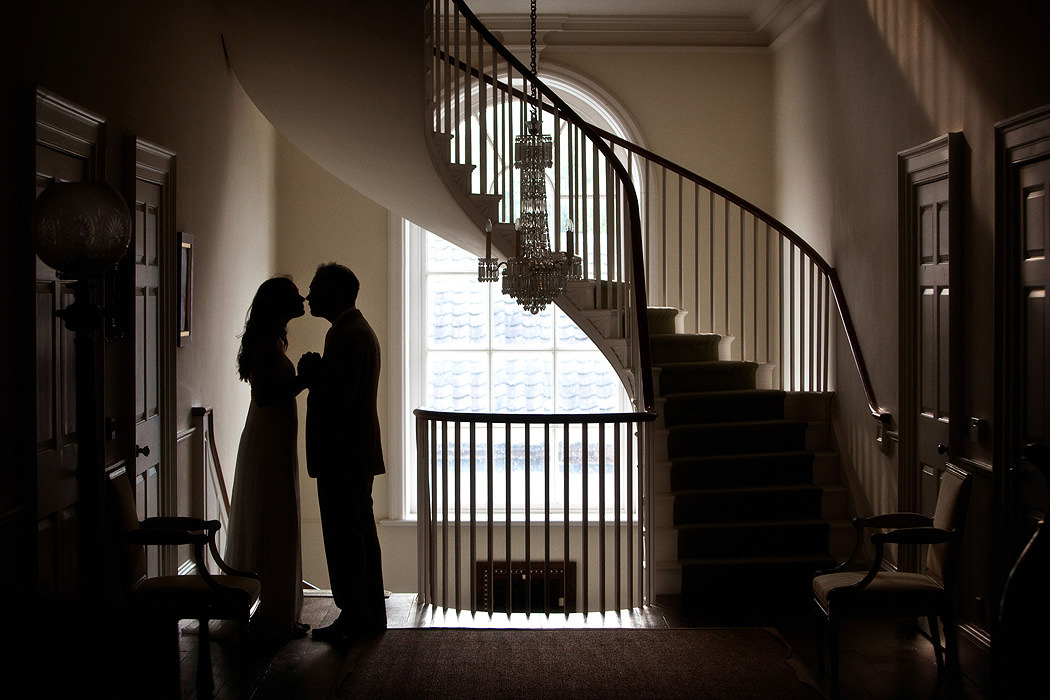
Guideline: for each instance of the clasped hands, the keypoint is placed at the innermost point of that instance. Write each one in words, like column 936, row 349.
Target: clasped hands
column 309, row 366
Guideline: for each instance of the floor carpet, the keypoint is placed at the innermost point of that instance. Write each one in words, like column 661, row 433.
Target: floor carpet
column 583, row 664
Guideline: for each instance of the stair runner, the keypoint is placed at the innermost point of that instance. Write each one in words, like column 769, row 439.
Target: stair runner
column 749, row 518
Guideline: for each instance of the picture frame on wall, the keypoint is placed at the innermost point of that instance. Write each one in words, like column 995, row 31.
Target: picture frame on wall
column 185, row 272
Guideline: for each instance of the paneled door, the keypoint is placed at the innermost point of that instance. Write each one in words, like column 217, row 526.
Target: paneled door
column 154, row 333
column 1022, row 395
column 929, row 225
column 1023, row 246
column 68, row 149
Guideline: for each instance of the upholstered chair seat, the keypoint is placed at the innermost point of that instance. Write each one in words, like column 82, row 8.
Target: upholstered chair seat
column 877, row 591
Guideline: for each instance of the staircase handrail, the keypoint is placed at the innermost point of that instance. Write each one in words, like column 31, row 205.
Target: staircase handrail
column 829, row 271
column 634, row 219
column 602, row 138
column 536, row 418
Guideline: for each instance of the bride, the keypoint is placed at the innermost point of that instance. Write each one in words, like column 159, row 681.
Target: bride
column 264, row 512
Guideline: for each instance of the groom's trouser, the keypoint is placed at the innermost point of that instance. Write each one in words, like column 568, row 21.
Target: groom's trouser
column 351, row 542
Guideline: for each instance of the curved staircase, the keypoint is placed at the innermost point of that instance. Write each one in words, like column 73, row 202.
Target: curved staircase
column 746, row 481
column 747, row 497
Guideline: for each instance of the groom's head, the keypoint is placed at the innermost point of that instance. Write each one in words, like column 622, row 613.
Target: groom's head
column 333, row 290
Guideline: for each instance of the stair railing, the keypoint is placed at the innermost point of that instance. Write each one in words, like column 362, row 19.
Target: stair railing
column 728, row 265
column 531, row 495
column 731, row 267
column 481, row 96
column 737, row 270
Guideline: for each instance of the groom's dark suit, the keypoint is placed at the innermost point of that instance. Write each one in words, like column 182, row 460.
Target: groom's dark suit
column 344, row 453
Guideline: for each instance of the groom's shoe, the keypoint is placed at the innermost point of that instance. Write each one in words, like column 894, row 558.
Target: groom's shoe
column 338, row 631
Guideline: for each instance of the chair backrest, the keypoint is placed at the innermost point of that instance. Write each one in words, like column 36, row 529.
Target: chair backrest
column 125, row 521
column 953, row 498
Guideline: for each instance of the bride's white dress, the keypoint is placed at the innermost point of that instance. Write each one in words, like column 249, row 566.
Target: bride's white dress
column 263, row 531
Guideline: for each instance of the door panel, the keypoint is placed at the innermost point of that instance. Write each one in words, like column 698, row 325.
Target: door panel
column 153, row 252
column 928, row 219
column 1034, row 396
column 146, row 328
column 934, row 326
column 66, row 149
column 1022, row 389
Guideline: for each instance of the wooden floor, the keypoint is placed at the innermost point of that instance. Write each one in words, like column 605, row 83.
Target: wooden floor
column 880, row 660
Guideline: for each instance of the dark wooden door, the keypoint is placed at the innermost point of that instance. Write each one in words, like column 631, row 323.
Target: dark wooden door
column 933, row 352
column 929, row 223
column 68, row 148
column 153, row 255
column 1023, row 397
column 1023, row 241
column 1034, row 393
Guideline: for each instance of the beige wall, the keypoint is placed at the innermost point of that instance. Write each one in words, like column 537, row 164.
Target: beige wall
column 708, row 110
column 321, row 219
column 855, row 84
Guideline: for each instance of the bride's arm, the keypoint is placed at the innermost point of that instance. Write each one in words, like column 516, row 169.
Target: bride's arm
column 273, row 377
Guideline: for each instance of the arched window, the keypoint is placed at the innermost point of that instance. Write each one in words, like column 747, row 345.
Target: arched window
column 466, row 347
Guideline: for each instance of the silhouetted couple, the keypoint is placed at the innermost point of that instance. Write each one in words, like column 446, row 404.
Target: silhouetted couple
column 343, row 454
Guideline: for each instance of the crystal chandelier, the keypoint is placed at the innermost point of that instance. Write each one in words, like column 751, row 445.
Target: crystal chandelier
column 535, row 275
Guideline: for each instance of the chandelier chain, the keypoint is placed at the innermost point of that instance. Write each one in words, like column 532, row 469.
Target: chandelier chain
column 535, row 275
column 532, row 46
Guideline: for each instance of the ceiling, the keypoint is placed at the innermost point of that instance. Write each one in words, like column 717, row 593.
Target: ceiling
column 641, row 23
column 703, row 8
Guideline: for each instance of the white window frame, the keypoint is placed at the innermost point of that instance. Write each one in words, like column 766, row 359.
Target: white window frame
column 404, row 367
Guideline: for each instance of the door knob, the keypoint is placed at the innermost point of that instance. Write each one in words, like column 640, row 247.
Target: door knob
column 942, row 449
column 144, row 451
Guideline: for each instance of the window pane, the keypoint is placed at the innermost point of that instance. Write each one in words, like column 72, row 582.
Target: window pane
column 443, row 256
column 521, row 382
column 457, row 312
column 514, row 327
column 587, row 384
column 569, row 334
column 457, row 381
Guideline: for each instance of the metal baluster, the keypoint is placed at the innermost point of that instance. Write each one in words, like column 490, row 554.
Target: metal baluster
column 444, row 513
column 546, row 517
column 630, row 512
column 490, row 466
column 459, row 510
column 528, row 519
column 617, row 485
column 565, row 508
column 507, row 511
column 473, row 517
column 585, row 517
column 601, row 515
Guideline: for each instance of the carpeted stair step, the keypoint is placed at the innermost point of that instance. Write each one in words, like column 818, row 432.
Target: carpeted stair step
column 752, row 539
column 682, row 347
column 802, row 501
column 662, row 319
column 742, row 437
column 723, row 406
column 715, row 375
column 733, row 588
column 728, row 471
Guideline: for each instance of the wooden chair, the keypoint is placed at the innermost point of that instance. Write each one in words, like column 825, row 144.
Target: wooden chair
column 201, row 595
column 842, row 593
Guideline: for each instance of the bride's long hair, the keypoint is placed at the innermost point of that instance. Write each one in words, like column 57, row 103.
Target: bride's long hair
column 267, row 319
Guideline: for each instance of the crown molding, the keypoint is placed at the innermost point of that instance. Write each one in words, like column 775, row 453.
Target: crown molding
column 572, row 31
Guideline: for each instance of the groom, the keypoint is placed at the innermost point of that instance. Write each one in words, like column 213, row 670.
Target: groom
column 344, row 453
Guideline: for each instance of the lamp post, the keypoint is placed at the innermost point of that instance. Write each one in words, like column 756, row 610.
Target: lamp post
column 81, row 229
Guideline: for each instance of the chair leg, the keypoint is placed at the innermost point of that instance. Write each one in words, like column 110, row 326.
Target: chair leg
column 935, row 637
column 205, row 682
column 953, row 668
column 833, row 643
column 820, row 630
